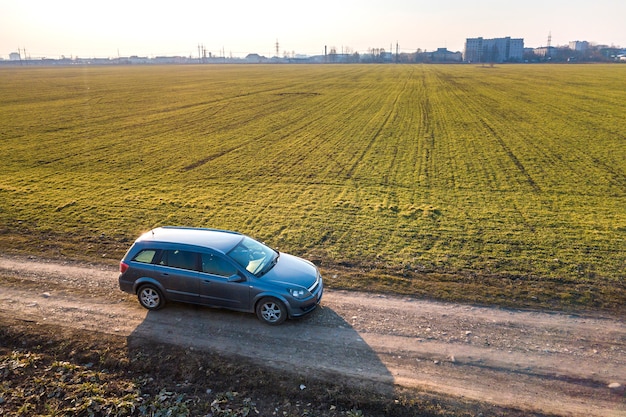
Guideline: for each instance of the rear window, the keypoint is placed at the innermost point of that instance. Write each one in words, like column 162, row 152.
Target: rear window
column 146, row 256
column 179, row 259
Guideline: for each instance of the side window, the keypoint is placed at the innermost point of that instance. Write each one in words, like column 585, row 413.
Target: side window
column 215, row 265
column 146, row 256
column 179, row 259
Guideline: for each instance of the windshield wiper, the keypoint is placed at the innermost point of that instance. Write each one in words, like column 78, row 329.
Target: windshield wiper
column 270, row 265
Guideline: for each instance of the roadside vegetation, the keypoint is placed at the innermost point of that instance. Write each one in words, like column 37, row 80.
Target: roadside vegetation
column 496, row 185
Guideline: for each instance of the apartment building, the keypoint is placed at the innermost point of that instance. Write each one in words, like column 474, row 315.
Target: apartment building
column 493, row 50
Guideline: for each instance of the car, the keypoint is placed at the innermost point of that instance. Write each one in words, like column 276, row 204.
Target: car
column 219, row 268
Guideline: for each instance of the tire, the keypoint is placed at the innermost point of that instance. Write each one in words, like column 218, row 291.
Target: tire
column 150, row 297
column 271, row 311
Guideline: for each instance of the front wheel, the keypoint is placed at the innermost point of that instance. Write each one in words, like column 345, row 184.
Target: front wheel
column 150, row 297
column 271, row 311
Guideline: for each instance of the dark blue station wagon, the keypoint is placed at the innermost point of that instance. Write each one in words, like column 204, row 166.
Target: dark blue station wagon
column 219, row 268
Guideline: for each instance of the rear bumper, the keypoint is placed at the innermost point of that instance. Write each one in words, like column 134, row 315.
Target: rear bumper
column 127, row 286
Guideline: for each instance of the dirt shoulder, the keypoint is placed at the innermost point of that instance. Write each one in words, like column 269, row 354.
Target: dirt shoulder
column 535, row 362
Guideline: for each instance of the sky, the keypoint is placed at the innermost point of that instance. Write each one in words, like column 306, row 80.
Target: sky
column 112, row 28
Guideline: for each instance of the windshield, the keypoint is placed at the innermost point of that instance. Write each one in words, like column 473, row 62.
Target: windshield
column 254, row 256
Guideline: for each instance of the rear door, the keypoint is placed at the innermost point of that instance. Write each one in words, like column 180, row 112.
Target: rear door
column 215, row 287
column 177, row 271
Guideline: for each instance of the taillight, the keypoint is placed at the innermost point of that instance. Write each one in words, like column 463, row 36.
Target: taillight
column 123, row 267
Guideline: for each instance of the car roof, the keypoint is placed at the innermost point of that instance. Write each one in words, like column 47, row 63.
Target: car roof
column 222, row 240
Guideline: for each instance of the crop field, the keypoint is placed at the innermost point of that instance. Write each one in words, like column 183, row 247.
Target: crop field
column 457, row 182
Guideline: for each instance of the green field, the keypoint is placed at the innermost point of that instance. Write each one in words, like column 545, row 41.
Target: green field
column 471, row 183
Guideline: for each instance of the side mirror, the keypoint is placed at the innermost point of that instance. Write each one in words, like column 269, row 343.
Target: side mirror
column 235, row 278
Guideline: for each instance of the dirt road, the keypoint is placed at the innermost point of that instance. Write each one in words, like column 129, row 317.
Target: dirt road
column 544, row 362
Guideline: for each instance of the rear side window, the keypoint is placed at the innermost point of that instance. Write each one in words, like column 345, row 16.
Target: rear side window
column 179, row 259
column 215, row 265
column 146, row 256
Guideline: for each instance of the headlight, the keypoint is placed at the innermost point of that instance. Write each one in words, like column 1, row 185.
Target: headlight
column 299, row 293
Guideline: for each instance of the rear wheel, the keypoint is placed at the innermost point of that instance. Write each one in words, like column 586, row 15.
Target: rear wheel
column 150, row 297
column 271, row 311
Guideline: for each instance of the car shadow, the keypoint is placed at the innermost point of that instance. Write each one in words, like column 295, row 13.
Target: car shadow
column 320, row 345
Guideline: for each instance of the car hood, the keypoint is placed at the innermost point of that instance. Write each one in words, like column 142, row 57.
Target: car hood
column 292, row 270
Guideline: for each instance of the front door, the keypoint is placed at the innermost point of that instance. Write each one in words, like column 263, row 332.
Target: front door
column 215, row 287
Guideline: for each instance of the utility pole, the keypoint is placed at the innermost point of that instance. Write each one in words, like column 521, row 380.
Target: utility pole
column 201, row 53
column 549, row 39
column 549, row 47
column 277, row 49
column 549, row 52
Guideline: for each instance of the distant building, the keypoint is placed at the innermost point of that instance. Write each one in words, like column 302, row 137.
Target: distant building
column 254, row 58
column 579, row 46
column 545, row 51
column 14, row 56
column 493, row 50
column 443, row 55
